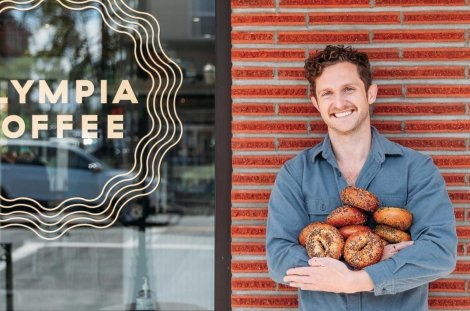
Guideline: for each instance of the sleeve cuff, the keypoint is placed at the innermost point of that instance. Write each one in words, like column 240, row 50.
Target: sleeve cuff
column 382, row 277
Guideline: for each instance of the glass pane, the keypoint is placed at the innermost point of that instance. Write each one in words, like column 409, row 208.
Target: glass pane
column 104, row 204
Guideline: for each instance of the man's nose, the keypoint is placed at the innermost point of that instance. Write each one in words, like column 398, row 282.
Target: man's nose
column 339, row 101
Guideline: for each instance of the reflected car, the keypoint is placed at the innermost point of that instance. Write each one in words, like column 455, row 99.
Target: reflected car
column 52, row 171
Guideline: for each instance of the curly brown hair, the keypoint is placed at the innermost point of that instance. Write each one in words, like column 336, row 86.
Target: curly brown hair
column 334, row 54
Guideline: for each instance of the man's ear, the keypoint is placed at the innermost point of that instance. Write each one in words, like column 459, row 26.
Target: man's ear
column 372, row 94
column 314, row 102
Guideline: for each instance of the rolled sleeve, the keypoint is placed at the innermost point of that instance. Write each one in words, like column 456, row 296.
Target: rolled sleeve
column 286, row 217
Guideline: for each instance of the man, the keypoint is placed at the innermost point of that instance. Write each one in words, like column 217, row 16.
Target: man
column 308, row 188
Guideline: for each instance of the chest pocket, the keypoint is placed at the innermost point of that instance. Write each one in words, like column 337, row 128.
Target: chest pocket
column 318, row 209
column 391, row 201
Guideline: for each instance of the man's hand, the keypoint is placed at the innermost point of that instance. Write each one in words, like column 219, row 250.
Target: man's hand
column 392, row 249
column 328, row 275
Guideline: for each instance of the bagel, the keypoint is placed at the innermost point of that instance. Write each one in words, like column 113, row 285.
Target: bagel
column 391, row 235
column 345, row 216
column 347, row 231
column 360, row 198
column 363, row 249
column 395, row 217
column 324, row 241
column 308, row 229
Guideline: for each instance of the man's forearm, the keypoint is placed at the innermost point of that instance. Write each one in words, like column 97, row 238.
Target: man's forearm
column 360, row 281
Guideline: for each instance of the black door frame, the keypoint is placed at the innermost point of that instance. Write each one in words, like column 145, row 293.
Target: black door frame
column 223, row 154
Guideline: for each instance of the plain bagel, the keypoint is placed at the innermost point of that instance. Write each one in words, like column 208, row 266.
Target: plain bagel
column 395, row 217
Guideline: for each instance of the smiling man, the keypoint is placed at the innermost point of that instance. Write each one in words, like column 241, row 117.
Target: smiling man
column 308, row 188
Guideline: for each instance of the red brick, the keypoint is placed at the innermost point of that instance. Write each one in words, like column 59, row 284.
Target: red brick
column 421, row 126
column 381, row 54
column 437, row 54
column 297, row 143
column 452, row 161
column 252, row 73
column 387, row 126
column 286, row 288
column 459, row 214
column 268, row 19
column 291, row 74
column 418, row 2
column 462, row 267
column 253, row 196
column 436, row 17
column 419, row 109
column 323, row 3
column 252, row 284
column 377, row 54
column 354, row 18
column 250, row 266
column 256, row 179
column 249, row 213
column 297, row 109
column 268, row 55
column 253, row 109
column 248, row 248
column 265, row 301
column 269, row 127
column 460, row 196
column 432, row 143
column 318, row 127
column 437, row 91
column 389, row 91
column 446, row 285
column 252, row 144
column 252, row 37
column 454, row 179
column 464, row 233
column 248, row 231
column 324, row 37
column 460, row 249
column 418, row 35
column 269, row 91
column 418, row 72
column 252, row 3
column 259, row 161
column 449, row 303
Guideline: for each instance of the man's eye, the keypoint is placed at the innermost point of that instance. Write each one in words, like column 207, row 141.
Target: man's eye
column 349, row 89
column 325, row 94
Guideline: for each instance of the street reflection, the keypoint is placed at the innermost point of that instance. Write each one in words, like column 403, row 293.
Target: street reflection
column 102, row 266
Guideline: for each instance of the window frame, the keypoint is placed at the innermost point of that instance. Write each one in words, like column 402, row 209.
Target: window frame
column 223, row 156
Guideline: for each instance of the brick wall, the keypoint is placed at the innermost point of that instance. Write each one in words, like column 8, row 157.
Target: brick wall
column 420, row 53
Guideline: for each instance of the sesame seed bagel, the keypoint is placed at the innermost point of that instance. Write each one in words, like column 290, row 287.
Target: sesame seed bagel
column 391, row 235
column 345, row 216
column 324, row 241
column 308, row 229
column 363, row 249
column 360, row 198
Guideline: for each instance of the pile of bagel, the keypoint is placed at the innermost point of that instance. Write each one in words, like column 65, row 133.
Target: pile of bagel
column 346, row 234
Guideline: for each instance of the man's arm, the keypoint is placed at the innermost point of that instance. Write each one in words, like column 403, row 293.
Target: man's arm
column 287, row 215
column 433, row 254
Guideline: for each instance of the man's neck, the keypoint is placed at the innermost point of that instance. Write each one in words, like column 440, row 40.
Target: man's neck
column 351, row 151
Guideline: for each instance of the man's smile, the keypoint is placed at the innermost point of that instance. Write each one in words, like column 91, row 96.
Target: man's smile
column 343, row 114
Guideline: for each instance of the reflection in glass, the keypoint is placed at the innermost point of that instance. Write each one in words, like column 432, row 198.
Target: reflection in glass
column 161, row 249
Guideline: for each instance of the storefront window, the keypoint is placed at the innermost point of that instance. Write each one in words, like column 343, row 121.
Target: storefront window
column 63, row 144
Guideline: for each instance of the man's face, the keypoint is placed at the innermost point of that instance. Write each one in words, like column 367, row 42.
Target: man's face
column 342, row 99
